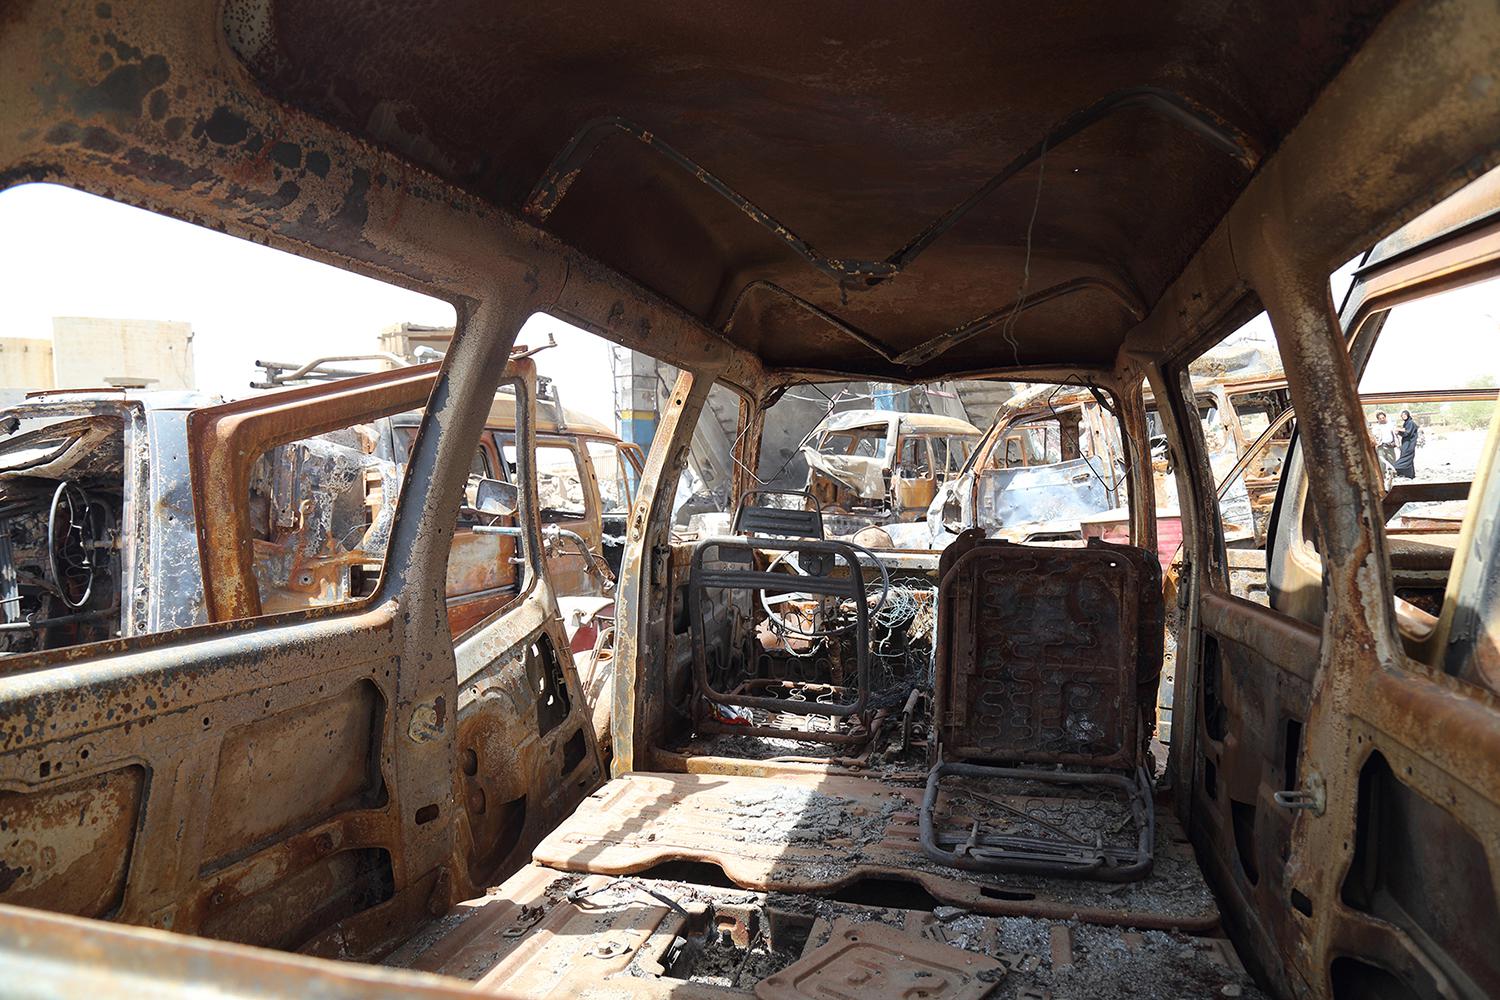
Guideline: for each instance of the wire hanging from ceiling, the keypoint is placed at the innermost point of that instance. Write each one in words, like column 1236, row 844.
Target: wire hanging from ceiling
column 1007, row 329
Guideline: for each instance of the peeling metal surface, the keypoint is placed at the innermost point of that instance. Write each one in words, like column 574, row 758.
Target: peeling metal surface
column 146, row 105
column 817, row 833
column 810, row 182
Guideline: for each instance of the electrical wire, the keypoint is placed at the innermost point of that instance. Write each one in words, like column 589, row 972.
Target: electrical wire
column 1113, row 484
column 579, row 894
column 1007, row 329
column 832, row 401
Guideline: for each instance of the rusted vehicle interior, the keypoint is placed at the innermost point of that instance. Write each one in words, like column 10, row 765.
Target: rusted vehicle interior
column 588, row 476
column 835, row 771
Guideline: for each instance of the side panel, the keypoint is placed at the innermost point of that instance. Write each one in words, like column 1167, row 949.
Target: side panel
column 1254, row 683
column 83, row 870
column 237, row 786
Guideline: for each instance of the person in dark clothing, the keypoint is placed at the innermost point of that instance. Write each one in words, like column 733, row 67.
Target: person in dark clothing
column 1406, row 459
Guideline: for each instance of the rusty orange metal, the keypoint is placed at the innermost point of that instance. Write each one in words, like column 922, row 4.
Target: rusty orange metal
column 225, row 442
column 300, row 126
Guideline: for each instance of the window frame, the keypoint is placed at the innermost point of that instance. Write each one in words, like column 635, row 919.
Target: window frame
column 618, row 452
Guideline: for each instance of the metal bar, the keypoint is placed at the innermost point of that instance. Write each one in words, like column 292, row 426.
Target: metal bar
column 1171, row 106
column 1037, row 846
column 758, row 580
column 1401, row 494
column 943, row 342
column 279, row 373
column 28, row 625
column 999, row 804
column 700, row 580
column 569, row 162
column 934, row 346
column 1079, row 861
column 852, row 332
column 807, row 522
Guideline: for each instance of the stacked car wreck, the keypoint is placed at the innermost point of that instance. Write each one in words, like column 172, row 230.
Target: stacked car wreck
column 834, row 767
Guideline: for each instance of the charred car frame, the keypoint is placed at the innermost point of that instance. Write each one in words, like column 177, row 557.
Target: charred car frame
column 347, row 782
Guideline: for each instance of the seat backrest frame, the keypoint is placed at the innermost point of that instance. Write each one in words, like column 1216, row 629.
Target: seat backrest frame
column 779, row 522
column 1037, row 656
column 702, row 578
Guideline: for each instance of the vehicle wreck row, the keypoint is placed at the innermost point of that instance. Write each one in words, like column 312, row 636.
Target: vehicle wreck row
column 297, row 700
column 99, row 552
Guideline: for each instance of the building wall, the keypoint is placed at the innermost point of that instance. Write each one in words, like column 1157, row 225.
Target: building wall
column 25, row 363
column 89, row 352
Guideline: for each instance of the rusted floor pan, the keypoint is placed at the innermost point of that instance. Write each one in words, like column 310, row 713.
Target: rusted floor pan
column 527, row 939
column 821, row 833
column 555, row 934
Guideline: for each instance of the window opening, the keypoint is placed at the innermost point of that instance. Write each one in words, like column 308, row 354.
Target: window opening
column 98, row 531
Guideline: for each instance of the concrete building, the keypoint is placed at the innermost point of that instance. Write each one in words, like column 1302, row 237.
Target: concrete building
column 25, row 363
column 92, row 352
column 89, row 352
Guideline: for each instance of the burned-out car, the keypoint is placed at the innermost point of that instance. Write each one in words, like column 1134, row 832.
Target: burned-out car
column 100, row 539
column 1051, row 467
column 883, row 463
column 835, row 768
column 97, row 539
column 1051, row 459
column 1234, row 412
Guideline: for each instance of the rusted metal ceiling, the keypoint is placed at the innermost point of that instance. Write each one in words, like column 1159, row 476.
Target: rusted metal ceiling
column 835, row 186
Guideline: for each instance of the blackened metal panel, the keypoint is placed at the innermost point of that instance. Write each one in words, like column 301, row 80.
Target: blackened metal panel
column 1037, row 661
column 1150, row 633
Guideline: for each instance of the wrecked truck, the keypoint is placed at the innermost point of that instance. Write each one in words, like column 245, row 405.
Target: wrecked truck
column 1052, row 465
column 1051, row 459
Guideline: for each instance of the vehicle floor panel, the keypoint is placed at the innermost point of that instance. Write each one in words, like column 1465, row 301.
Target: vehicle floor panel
column 546, row 933
column 825, row 833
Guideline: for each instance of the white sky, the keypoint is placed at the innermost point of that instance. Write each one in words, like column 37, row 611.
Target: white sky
column 579, row 365
column 65, row 253
column 1444, row 341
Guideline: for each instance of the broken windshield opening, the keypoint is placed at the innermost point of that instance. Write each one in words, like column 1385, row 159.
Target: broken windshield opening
column 875, row 455
column 863, row 443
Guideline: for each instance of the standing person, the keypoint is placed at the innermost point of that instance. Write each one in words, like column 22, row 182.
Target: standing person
column 1406, row 461
column 1383, row 433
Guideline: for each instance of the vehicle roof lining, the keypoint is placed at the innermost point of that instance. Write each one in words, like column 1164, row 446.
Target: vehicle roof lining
column 1342, row 179
column 831, row 191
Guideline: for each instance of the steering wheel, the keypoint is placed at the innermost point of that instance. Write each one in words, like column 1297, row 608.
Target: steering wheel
column 70, row 545
column 885, row 592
